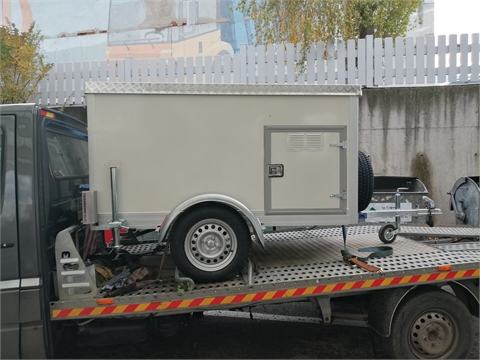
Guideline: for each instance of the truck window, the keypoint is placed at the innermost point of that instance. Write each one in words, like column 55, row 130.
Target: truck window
column 68, row 155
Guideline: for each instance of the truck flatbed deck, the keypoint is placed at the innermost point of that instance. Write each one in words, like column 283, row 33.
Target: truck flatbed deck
column 294, row 265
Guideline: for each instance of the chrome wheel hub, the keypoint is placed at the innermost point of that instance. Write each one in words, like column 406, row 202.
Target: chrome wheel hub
column 210, row 245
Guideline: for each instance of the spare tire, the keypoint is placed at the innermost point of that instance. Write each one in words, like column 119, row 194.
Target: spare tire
column 365, row 181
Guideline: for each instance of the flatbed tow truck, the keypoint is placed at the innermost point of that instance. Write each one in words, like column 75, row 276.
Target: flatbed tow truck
column 49, row 274
column 406, row 300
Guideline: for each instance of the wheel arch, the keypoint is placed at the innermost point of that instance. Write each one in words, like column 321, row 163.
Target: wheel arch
column 387, row 302
column 467, row 292
column 213, row 198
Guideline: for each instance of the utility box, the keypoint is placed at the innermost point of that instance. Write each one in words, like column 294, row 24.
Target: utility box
column 411, row 190
column 465, row 201
column 287, row 152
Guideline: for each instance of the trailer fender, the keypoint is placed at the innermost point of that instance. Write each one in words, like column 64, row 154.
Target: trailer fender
column 215, row 198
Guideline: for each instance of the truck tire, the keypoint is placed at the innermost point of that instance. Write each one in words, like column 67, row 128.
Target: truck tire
column 431, row 324
column 210, row 243
column 365, row 181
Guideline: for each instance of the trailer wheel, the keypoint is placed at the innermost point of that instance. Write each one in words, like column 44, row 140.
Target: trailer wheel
column 386, row 234
column 365, row 181
column 431, row 324
column 210, row 243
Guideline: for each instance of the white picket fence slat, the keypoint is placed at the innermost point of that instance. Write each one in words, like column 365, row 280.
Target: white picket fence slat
column 368, row 62
column 475, row 53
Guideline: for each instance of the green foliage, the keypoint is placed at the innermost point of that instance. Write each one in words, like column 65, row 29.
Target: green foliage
column 381, row 18
column 22, row 64
column 309, row 21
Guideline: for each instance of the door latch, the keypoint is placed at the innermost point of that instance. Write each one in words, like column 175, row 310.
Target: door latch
column 275, row 170
column 342, row 144
column 342, row 195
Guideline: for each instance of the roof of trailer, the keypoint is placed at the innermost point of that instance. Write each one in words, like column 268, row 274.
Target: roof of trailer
column 219, row 89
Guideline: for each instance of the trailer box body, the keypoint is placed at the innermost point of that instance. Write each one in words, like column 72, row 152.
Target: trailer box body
column 288, row 153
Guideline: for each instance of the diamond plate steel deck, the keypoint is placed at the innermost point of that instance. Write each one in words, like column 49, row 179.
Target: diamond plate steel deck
column 218, row 89
column 408, row 230
column 459, row 246
column 441, row 231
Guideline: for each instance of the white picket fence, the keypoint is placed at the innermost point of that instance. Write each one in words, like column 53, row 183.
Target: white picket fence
column 368, row 62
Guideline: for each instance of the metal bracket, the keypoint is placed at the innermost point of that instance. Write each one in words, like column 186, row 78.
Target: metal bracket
column 75, row 280
column 183, row 283
column 248, row 273
column 325, row 308
column 342, row 144
column 119, row 224
column 342, row 195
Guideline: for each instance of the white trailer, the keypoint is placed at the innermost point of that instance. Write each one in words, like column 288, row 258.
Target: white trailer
column 215, row 164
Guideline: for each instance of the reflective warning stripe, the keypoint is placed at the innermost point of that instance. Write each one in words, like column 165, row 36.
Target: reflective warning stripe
column 261, row 296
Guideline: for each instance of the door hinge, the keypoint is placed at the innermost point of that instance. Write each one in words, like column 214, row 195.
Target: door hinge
column 342, row 144
column 342, row 195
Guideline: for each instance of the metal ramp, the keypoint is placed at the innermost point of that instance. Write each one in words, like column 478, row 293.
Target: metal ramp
column 440, row 231
column 405, row 230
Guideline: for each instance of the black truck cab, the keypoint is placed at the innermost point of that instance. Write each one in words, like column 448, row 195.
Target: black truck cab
column 43, row 169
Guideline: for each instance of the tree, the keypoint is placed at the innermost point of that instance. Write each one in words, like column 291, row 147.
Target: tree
column 310, row 21
column 22, row 64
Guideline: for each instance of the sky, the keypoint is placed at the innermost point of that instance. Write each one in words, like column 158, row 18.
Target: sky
column 457, row 17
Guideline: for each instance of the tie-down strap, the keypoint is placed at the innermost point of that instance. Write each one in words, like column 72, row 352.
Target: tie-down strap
column 375, row 252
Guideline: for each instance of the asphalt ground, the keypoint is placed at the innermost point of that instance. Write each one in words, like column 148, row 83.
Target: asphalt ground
column 286, row 331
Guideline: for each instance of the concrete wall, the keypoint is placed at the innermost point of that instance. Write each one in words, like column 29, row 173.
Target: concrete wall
column 429, row 132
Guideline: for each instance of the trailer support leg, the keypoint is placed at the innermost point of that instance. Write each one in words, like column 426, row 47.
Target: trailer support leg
column 115, row 224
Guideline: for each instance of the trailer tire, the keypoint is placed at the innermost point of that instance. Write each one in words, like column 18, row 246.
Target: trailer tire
column 431, row 324
column 386, row 234
column 210, row 243
column 365, row 181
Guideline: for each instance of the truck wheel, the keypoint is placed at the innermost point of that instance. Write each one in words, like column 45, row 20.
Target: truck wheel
column 386, row 234
column 210, row 243
column 365, row 181
column 432, row 324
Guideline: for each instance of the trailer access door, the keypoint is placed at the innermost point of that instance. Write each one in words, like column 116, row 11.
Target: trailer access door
column 306, row 170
